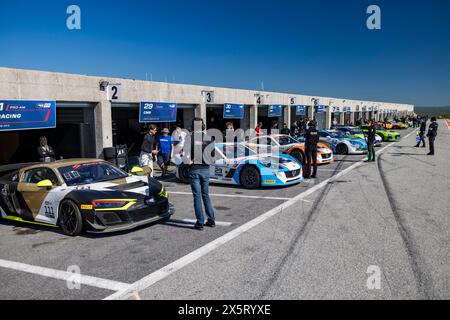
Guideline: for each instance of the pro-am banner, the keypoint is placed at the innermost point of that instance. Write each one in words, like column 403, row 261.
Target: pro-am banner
column 275, row 111
column 233, row 111
column 157, row 112
column 27, row 114
column 300, row 110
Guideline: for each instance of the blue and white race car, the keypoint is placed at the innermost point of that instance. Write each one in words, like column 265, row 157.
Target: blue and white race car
column 237, row 164
column 340, row 143
column 353, row 132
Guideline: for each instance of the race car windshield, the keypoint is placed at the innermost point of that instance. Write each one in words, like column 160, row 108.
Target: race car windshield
column 339, row 134
column 86, row 173
column 236, row 151
column 284, row 141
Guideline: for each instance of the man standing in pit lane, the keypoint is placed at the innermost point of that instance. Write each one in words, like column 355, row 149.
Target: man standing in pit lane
column 311, row 140
column 202, row 155
column 423, row 128
column 148, row 149
column 371, row 134
column 432, row 134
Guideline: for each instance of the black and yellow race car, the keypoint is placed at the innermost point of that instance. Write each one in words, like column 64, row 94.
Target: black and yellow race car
column 82, row 195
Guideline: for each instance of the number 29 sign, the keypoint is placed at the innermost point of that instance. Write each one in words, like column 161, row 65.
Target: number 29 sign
column 157, row 112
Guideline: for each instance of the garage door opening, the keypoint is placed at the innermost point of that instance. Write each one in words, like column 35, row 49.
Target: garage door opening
column 73, row 137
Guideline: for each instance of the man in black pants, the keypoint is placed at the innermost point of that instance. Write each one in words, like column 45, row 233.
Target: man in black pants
column 311, row 141
column 371, row 141
column 432, row 134
column 423, row 128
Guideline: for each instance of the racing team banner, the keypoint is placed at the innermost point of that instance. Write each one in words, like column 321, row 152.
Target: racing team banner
column 233, row 111
column 157, row 112
column 26, row 114
column 275, row 111
column 301, row 111
column 321, row 109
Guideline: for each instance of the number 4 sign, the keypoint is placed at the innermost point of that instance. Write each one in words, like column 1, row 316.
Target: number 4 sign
column 114, row 92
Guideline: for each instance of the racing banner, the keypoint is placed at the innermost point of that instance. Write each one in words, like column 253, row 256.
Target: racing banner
column 301, row 110
column 336, row 109
column 26, row 114
column 157, row 112
column 321, row 109
column 233, row 111
column 275, row 111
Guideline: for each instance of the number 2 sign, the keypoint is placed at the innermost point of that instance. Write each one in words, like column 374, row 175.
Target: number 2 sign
column 114, row 92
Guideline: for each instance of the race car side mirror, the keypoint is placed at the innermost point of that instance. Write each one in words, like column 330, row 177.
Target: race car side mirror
column 136, row 170
column 44, row 184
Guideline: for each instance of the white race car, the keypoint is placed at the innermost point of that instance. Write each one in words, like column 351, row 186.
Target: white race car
column 239, row 165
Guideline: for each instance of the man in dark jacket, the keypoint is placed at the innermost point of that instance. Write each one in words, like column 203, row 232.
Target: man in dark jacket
column 202, row 155
column 432, row 134
column 311, row 140
column 371, row 141
column 423, row 128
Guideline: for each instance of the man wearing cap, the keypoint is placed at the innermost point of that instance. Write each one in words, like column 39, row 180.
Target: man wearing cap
column 165, row 148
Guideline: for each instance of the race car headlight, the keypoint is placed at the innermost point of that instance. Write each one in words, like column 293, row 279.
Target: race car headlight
column 266, row 163
column 109, row 204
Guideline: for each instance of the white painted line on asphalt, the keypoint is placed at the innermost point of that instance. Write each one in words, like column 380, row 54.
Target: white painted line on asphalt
column 196, row 254
column 231, row 196
column 193, row 221
column 64, row 275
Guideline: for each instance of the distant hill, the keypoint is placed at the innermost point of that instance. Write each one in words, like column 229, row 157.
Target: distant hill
column 442, row 112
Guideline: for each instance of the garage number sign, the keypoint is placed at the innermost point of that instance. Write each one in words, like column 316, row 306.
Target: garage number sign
column 114, row 92
column 25, row 114
column 157, row 112
column 233, row 111
column 275, row 111
column 301, row 111
column 347, row 109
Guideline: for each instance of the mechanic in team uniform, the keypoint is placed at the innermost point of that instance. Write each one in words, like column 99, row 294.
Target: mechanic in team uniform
column 371, row 141
column 202, row 155
column 432, row 134
column 311, row 140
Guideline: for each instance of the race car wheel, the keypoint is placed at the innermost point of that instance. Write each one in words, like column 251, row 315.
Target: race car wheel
column 183, row 173
column 70, row 219
column 341, row 149
column 298, row 155
column 250, row 177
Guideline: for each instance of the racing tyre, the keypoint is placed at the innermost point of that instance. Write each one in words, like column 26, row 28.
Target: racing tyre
column 341, row 149
column 70, row 219
column 183, row 173
column 298, row 155
column 250, row 177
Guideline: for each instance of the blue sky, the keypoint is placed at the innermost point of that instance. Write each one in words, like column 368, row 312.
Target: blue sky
column 309, row 47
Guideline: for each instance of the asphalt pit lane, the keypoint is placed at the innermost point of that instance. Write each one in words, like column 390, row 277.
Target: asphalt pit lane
column 36, row 245
column 137, row 239
column 26, row 232
column 222, row 208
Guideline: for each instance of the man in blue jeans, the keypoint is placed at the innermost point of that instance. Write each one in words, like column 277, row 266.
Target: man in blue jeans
column 202, row 156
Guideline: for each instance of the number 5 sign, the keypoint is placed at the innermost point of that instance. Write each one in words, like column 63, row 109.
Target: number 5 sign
column 114, row 92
